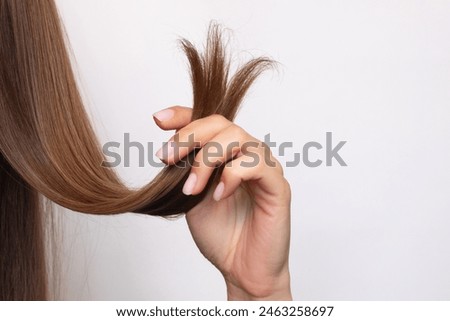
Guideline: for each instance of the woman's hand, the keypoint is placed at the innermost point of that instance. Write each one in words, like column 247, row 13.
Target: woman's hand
column 243, row 225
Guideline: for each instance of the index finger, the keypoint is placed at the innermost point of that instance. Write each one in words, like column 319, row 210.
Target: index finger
column 174, row 117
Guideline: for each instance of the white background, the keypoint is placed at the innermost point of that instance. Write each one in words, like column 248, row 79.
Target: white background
column 375, row 73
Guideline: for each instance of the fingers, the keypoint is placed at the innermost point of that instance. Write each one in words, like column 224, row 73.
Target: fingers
column 174, row 117
column 221, row 141
column 195, row 134
column 246, row 159
column 250, row 168
column 220, row 149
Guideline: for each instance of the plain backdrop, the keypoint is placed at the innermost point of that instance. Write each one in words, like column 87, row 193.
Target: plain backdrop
column 374, row 73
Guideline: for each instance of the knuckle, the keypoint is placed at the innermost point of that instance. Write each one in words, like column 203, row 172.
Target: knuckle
column 232, row 170
column 187, row 135
column 252, row 163
column 250, row 147
column 278, row 166
column 260, row 165
column 216, row 118
column 237, row 132
column 210, row 155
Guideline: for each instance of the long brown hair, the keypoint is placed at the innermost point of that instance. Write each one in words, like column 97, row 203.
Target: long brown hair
column 49, row 149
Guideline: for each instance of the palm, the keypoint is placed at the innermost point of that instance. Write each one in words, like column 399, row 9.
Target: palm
column 244, row 235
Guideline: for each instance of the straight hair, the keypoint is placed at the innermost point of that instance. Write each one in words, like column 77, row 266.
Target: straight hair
column 49, row 149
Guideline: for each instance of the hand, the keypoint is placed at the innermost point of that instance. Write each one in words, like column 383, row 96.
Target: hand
column 243, row 225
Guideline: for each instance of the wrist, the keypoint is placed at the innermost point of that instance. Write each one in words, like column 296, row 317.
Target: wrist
column 277, row 289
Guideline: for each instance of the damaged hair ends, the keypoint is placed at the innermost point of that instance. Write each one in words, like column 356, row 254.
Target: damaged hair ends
column 49, row 148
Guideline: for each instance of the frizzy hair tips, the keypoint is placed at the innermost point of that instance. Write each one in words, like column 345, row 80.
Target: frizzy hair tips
column 49, row 149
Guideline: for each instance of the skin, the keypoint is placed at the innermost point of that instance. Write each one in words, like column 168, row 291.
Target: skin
column 243, row 224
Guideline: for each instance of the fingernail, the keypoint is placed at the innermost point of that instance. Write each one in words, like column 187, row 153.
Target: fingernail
column 218, row 192
column 189, row 185
column 164, row 114
column 166, row 151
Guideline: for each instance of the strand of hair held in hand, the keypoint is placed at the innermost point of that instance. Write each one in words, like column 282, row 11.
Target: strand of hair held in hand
column 49, row 148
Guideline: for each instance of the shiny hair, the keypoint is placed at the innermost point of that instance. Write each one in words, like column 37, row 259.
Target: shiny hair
column 49, row 149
